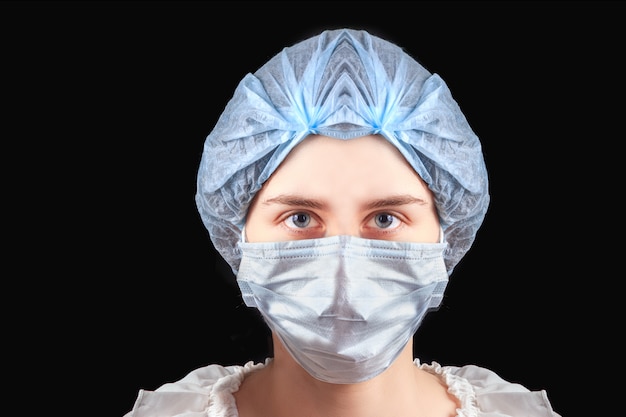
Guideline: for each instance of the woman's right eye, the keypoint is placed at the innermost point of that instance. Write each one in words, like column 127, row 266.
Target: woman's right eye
column 299, row 220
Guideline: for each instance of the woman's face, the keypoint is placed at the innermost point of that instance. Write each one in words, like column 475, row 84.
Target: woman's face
column 361, row 187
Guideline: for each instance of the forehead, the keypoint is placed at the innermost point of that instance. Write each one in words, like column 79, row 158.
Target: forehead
column 321, row 162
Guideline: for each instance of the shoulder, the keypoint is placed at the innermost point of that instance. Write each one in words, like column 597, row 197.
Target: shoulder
column 204, row 390
column 482, row 392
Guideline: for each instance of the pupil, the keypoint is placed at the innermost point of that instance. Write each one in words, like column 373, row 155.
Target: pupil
column 300, row 219
column 384, row 220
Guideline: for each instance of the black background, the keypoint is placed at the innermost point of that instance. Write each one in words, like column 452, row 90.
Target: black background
column 108, row 106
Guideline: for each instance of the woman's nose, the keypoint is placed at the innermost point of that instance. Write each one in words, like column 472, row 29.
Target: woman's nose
column 344, row 228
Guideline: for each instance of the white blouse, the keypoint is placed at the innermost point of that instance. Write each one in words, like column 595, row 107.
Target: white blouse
column 208, row 392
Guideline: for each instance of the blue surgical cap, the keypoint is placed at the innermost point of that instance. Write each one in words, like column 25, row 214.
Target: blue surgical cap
column 345, row 84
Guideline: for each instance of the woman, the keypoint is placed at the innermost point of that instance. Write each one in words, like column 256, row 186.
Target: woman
column 342, row 184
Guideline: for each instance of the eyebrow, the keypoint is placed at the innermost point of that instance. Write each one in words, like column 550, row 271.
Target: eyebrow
column 397, row 200
column 298, row 201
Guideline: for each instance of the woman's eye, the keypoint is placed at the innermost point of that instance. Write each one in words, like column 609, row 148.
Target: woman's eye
column 385, row 220
column 299, row 220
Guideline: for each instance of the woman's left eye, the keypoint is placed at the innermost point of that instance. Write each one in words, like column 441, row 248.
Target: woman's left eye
column 385, row 220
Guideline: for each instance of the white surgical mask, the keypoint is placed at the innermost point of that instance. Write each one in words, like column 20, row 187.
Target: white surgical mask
column 343, row 306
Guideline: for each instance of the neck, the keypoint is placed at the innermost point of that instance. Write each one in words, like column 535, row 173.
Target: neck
column 285, row 389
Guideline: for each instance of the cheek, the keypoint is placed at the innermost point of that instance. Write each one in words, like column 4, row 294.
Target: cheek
column 432, row 229
column 258, row 231
column 426, row 229
column 254, row 226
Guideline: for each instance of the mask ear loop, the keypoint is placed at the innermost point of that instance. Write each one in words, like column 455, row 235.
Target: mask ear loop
column 243, row 234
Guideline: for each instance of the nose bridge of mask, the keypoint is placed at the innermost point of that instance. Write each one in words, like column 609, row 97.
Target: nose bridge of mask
column 441, row 235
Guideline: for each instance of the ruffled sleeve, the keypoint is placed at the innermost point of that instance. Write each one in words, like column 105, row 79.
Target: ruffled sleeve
column 483, row 393
column 204, row 392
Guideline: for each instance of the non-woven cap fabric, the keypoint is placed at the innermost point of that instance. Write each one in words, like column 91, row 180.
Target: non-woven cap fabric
column 342, row 83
